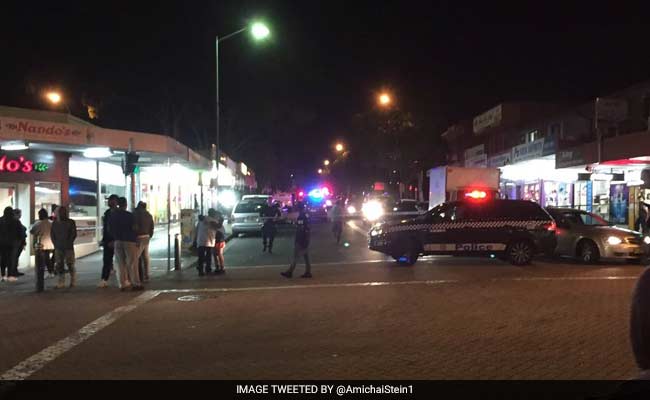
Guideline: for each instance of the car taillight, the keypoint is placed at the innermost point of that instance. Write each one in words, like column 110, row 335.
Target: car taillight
column 550, row 226
column 476, row 194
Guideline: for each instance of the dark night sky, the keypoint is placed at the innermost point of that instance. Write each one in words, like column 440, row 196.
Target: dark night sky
column 325, row 59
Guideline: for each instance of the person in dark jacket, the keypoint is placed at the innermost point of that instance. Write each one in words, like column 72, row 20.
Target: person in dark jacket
column 18, row 214
column 144, row 232
column 107, row 242
column 121, row 226
column 10, row 239
column 301, row 245
column 269, row 228
column 64, row 233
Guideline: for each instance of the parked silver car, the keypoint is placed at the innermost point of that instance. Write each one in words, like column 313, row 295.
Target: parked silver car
column 589, row 237
column 246, row 217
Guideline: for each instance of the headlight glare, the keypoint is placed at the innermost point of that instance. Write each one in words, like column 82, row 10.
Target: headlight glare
column 646, row 240
column 613, row 240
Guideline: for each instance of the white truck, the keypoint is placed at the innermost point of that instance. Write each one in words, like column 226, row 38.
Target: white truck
column 456, row 183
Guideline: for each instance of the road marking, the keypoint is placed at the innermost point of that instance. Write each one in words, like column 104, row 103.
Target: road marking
column 569, row 278
column 34, row 363
column 312, row 264
column 313, row 286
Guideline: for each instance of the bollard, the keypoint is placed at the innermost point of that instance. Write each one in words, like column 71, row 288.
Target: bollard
column 177, row 253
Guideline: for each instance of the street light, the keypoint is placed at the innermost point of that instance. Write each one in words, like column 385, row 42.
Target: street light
column 385, row 99
column 339, row 147
column 56, row 99
column 259, row 31
column 53, row 97
column 326, row 163
column 320, row 171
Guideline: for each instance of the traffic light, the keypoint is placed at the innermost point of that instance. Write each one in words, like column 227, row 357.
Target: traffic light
column 129, row 163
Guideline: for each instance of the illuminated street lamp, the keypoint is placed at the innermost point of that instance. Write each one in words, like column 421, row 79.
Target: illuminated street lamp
column 339, row 147
column 326, row 163
column 384, row 99
column 259, row 31
column 320, row 171
column 53, row 97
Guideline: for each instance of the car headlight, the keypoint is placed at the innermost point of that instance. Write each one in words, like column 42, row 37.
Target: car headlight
column 372, row 210
column 376, row 232
column 646, row 240
column 352, row 210
column 613, row 240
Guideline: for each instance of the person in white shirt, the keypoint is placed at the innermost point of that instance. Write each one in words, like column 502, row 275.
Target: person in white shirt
column 42, row 240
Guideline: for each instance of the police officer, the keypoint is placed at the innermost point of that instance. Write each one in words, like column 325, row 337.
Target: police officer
column 301, row 245
column 269, row 228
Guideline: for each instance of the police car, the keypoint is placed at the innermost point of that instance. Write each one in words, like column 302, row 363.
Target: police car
column 513, row 230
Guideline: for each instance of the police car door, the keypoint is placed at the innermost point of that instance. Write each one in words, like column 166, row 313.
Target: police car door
column 475, row 230
column 439, row 235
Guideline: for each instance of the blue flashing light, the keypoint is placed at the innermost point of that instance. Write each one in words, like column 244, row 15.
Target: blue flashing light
column 316, row 194
column 403, row 259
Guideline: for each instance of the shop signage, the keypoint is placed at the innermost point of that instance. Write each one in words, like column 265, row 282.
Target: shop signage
column 21, row 164
column 500, row 160
column 528, row 151
column 569, row 158
column 476, row 157
column 38, row 129
column 614, row 110
column 491, row 117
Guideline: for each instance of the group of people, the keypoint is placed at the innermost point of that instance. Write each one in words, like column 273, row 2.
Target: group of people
column 53, row 244
column 125, row 237
column 210, row 241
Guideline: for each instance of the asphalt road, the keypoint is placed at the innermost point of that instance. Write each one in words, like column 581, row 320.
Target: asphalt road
column 360, row 317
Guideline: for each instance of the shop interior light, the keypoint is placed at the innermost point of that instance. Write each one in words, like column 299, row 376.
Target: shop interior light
column 227, row 198
column 97, row 152
column 14, row 146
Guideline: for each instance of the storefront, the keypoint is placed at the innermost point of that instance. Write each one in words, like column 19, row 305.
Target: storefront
column 70, row 162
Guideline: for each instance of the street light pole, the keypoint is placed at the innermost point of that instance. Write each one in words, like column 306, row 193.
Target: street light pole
column 260, row 31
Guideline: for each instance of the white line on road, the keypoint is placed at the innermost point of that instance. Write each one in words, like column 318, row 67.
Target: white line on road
column 312, row 264
column 568, row 278
column 313, row 286
column 34, row 363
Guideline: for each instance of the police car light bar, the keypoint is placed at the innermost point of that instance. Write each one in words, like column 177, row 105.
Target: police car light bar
column 476, row 194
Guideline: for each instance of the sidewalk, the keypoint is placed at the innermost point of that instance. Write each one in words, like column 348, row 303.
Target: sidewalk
column 89, row 267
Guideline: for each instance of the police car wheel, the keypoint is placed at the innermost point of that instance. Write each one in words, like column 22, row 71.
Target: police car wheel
column 409, row 256
column 520, row 253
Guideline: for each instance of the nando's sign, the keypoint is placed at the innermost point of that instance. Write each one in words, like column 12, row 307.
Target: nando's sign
column 20, row 164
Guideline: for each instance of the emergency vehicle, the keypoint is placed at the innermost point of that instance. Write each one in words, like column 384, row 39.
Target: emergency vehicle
column 478, row 225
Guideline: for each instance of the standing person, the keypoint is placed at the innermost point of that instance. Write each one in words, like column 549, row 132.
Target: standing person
column 301, row 245
column 219, row 242
column 144, row 232
column 10, row 238
column 64, row 233
column 121, row 226
column 43, row 246
column 107, row 242
column 641, row 223
column 336, row 214
column 269, row 228
column 205, row 240
column 18, row 214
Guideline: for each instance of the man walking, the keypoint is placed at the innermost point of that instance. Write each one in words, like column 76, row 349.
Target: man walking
column 301, row 245
column 10, row 238
column 64, row 233
column 269, row 229
column 144, row 232
column 336, row 214
column 108, row 242
column 43, row 247
column 121, row 227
